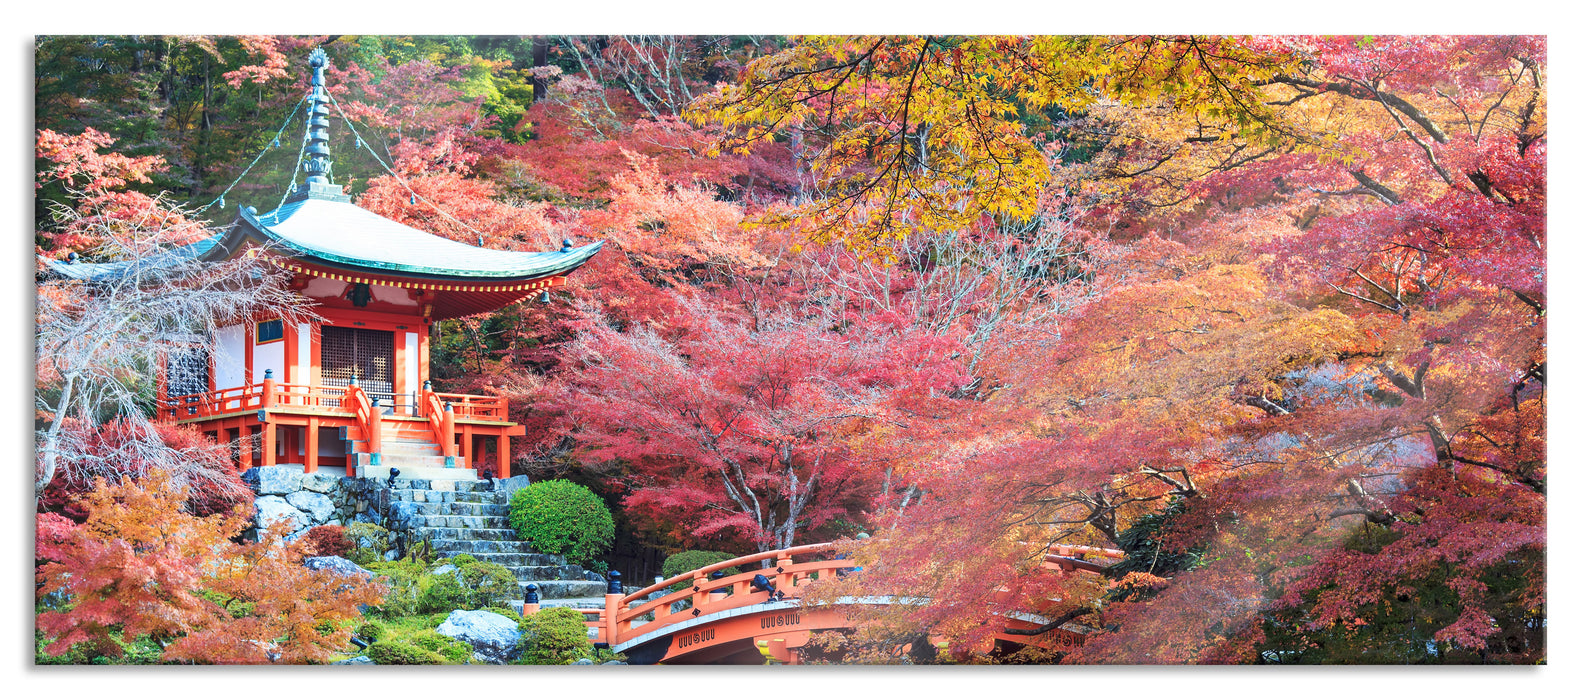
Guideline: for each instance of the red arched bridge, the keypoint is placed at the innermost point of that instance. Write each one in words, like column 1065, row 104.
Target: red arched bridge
column 756, row 615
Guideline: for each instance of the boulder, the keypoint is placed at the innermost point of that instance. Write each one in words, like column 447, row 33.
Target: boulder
column 493, row 636
column 582, row 662
column 272, row 508
column 273, row 480
column 511, row 485
column 355, row 661
column 319, row 482
column 445, row 569
column 339, row 565
column 318, row 506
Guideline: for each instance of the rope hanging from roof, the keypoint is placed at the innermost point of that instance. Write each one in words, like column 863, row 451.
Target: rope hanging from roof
column 415, row 197
column 273, row 144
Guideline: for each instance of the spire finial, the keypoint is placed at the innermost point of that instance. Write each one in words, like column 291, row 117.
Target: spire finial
column 318, row 152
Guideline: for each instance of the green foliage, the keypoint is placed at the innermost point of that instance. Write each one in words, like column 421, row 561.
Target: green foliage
column 554, row 636
column 560, row 517
column 402, row 576
column 453, row 650
column 473, row 585
column 508, row 612
column 402, row 654
column 692, row 559
column 1146, row 552
column 371, row 631
column 369, row 543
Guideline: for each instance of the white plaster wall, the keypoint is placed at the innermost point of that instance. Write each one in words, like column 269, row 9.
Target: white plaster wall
column 412, row 385
column 230, row 357
column 304, row 353
column 270, row 356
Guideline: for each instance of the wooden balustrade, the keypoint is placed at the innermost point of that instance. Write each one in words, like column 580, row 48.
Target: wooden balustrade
column 473, row 407
column 625, row 617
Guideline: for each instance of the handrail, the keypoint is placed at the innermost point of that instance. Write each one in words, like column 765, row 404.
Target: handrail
column 431, row 409
column 738, row 561
column 474, row 406
column 367, row 417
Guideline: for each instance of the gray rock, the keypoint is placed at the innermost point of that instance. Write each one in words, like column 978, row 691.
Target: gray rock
column 392, row 555
column 582, row 662
column 319, row 482
column 447, row 568
column 593, row 576
column 366, row 517
column 614, row 663
column 316, row 505
column 272, row 508
column 274, row 480
column 511, row 485
column 339, row 565
column 402, row 513
column 493, row 636
column 355, row 661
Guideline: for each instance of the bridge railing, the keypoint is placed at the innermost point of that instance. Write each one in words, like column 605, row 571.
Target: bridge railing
column 625, row 617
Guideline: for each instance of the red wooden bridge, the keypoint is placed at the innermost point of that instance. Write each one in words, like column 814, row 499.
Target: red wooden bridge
column 757, row 615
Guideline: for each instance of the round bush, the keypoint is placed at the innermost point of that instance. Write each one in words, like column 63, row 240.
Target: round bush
column 371, row 631
column 691, row 560
column 554, row 636
column 402, row 654
column 559, row 517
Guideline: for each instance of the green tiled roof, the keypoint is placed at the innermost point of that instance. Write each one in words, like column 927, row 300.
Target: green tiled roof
column 345, row 235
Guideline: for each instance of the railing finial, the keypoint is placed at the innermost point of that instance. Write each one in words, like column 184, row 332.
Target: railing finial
column 615, row 583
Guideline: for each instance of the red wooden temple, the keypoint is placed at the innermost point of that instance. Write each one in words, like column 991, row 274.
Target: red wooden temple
column 352, row 391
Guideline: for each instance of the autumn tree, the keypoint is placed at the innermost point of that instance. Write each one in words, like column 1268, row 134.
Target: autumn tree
column 100, row 334
column 142, row 566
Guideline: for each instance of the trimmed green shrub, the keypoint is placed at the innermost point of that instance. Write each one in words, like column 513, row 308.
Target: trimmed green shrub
column 554, row 636
column 371, row 631
column 402, row 654
column 474, row 585
column 453, row 650
column 560, row 517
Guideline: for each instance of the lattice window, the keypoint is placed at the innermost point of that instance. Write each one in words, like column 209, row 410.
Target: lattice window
column 369, row 354
column 186, row 371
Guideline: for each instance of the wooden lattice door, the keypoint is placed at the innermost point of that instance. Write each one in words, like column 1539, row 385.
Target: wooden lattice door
column 369, row 354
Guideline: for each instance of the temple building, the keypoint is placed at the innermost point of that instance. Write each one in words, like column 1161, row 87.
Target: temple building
column 351, row 391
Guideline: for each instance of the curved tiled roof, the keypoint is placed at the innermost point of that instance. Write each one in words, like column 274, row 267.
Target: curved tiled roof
column 336, row 232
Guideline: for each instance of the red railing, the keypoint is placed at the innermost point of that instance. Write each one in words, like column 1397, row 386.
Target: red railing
column 469, row 406
column 443, row 422
column 212, row 403
column 624, row 617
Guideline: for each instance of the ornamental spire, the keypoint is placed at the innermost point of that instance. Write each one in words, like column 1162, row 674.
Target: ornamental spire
column 316, row 156
column 318, row 152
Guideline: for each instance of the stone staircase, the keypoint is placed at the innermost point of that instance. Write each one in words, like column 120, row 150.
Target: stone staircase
column 467, row 517
column 405, row 443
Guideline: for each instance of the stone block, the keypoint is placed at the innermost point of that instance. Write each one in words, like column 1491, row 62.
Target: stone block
column 274, row 508
column 316, row 505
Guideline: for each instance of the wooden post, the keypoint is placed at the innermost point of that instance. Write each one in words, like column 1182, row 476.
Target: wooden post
column 784, row 579
column 612, row 607
column 310, row 451
column 244, row 435
column 268, row 400
column 375, row 416
column 266, row 431
column 530, row 600
column 502, row 455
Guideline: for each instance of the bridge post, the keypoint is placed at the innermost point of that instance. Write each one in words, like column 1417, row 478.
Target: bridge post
column 530, row 600
column 785, row 578
column 612, row 607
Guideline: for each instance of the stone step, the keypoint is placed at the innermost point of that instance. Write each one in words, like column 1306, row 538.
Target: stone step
column 463, row 503
column 475, row 534
column 442, row 483
column 432, row 519
column 527, row 574
column 382, row 471
column 551, row 589
column 514, row 560
column 476, row 547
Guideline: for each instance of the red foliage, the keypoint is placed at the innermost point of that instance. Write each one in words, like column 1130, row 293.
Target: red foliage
column 324, row 541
